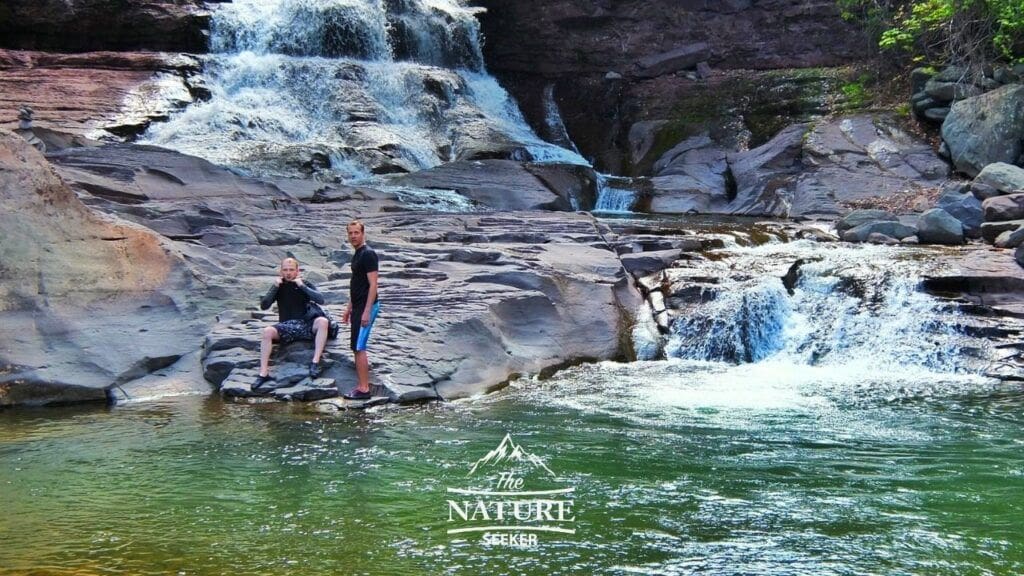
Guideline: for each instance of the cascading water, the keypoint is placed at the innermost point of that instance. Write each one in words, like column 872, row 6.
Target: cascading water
column 347, row 89
column 852, row 309
column 614, row 195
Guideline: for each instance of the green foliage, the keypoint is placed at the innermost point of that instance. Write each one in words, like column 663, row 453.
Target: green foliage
column 856, row 92
column 968, row 32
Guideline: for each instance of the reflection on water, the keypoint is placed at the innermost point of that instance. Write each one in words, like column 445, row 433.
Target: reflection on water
column 679, row 468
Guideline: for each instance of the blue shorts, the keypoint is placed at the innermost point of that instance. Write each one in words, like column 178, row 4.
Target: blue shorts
column 360, row 335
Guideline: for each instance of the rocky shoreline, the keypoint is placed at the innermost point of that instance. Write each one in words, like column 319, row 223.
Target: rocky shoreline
column 132, row 270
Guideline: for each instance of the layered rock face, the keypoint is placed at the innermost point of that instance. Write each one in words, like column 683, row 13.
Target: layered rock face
column 87, row 301
column 87, row 25
column 81, row 94
column 468, row 299
column 612, row 63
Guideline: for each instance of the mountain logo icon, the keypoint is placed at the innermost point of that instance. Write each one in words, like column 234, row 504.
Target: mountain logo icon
column 509, row 451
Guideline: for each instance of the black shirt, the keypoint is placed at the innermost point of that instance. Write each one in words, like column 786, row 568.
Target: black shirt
column 291, row 300
column 364, row 261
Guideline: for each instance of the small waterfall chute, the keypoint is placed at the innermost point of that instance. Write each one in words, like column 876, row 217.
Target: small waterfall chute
column 848, row 310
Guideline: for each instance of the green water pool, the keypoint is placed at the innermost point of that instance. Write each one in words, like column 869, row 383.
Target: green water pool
column 675, row 468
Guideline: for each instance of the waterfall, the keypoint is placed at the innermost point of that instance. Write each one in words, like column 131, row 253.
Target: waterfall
column 850, row 308
column 614, row 194
column 556, row 131
column 348, row 89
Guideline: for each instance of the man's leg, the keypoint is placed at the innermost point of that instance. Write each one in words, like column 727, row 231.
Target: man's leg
column 266, row 345
column 320, row 327
column 362, row 371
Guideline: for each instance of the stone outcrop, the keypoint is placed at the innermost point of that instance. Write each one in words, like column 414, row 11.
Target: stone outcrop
column 986, row 129
column 805, row 170
column 469, row 299
column 510, row 185
column 87, row 25
column 112, row 93
column 936, row 226
column 87, row 302
column 600, row 58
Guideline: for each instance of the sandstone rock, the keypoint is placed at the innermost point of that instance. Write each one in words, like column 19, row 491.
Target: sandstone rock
column 499, row 184
column 986, row 129
column 983, row 191
column 85, row 93
column 1003, row 208
column 576, row 185
column 674, row 60
column 950, row 91
column 641, row 138
column 86, row 301
column 1002, row 177
column 879, row 238
column 936, row 226
column 762, row 186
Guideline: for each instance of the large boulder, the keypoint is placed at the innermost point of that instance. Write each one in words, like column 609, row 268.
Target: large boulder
column 1002, row 177
column 986, row 129
column 965, row 207
column 865, row 216
column 936, row 226
column 1003, row 208
column 763, row 175
column 87, row 302
column 864, row 232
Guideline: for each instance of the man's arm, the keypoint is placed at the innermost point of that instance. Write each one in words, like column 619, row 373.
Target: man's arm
column 270, row 296
column 311, row 291
column 370, row 298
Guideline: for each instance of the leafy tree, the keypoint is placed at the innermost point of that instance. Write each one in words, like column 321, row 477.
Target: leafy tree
column 969, row 33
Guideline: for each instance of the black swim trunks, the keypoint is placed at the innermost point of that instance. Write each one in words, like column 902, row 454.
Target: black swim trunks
column 294, row 330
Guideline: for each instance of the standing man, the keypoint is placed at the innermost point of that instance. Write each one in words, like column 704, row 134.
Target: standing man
column 292, row 294
column 362, row 305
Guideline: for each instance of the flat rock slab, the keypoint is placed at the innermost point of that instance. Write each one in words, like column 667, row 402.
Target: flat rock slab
column 341, row 404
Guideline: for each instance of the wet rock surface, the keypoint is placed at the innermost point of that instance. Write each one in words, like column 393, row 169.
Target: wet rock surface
column 468, row 299
column 94, row 93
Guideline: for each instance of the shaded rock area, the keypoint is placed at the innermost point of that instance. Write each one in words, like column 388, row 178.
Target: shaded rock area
column 616, row 63
column 806, row 170
column 80, row 26
column 87, row 301
column 95, row 93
